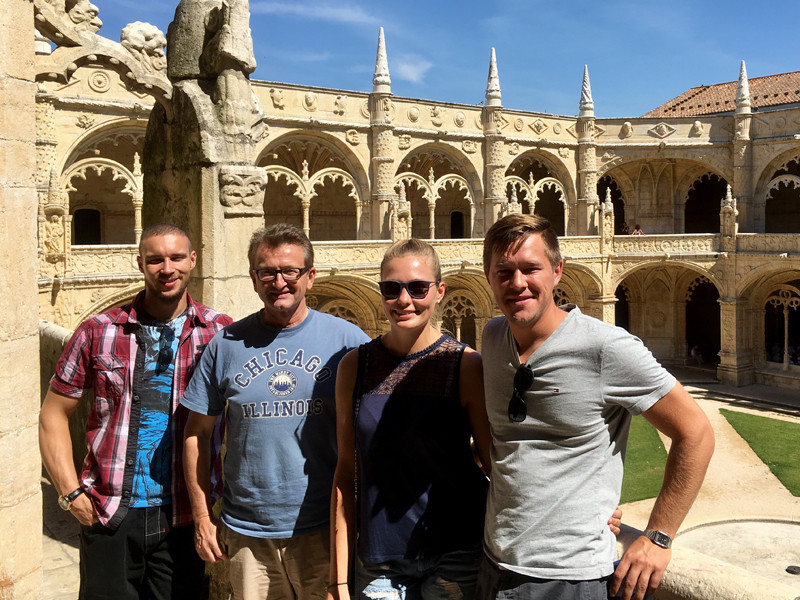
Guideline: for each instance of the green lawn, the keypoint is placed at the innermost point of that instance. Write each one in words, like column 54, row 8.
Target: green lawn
column 776, row 442
column 644, row 462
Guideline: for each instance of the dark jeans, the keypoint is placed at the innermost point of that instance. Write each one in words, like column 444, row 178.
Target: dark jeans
column 145, row 558
column 498, row 584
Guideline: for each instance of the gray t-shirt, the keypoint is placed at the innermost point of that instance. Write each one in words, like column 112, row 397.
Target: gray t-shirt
column 556, row 476
column 276, row 389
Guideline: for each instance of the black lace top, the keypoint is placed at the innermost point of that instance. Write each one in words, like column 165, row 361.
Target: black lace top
column 420, row 491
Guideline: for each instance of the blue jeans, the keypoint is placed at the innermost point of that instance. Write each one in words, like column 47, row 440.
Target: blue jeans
column 449, row 576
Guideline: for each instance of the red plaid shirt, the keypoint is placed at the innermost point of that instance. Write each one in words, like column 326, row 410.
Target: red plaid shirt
column 101, row 356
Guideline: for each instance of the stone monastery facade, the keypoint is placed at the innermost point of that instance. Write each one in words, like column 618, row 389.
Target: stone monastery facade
column 127, row 135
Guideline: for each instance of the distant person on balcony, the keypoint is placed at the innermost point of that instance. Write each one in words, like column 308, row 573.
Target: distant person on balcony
column 270, row 377
column 638, row 230
column 137, row 539
column 625, row 229
column 696, row 354
column 560, row 391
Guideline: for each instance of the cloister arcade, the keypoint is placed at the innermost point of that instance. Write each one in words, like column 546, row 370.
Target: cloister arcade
column 451, row 171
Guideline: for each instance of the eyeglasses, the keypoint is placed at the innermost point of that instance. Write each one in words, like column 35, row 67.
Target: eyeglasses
column 417, row 288
column 288, row 273
column 165, row 352
column 523, row 380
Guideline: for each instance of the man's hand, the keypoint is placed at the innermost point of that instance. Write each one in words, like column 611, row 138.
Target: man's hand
column 83, row 510
column 205, row 540
column 640, row 570
column 615, row 521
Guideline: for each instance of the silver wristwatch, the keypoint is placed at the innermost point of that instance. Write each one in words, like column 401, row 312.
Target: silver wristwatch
column 659, row 538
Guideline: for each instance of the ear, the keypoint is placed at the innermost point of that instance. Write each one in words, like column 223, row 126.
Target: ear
column 312, row 274
column 139, row 262
column 254, row 280
column 192, row 260
column 440, row 289
column 559, row 270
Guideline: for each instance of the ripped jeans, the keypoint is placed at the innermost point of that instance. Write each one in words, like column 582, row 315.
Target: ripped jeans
column 449, row 576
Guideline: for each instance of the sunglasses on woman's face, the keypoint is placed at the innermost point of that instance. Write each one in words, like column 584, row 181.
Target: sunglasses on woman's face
column 417, row 288
column 523, row 380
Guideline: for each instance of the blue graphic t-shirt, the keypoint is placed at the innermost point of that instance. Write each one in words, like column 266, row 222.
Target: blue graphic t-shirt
column 276, row 388
column 152, row 476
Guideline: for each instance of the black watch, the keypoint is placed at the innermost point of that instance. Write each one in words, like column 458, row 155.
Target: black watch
column 65, row 502
column 659, row 538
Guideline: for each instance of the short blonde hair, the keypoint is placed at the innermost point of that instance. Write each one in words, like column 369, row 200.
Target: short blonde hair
column 413, row 247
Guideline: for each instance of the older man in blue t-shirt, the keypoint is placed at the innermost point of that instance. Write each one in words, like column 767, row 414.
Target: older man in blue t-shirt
column 272, row 377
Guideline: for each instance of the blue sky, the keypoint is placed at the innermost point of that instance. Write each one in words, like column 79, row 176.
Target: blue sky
column 640, row 53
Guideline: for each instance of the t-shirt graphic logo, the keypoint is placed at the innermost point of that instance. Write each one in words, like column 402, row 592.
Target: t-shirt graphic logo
column 282, row 382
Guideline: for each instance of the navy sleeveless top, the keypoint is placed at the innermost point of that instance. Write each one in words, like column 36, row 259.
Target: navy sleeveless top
column 420, row 492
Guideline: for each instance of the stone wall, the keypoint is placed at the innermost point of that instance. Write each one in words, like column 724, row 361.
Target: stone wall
column 21, row 504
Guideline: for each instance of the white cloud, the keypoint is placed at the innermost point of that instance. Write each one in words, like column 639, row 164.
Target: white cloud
column 339, row 14
column 409, row 67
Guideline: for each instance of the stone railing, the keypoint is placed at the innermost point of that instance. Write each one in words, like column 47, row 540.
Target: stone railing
column 687, row 243
column 768, row 242
column 108, row 260
column 692, row 575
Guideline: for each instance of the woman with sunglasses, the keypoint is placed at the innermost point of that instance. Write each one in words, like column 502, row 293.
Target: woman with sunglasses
column 407, row 490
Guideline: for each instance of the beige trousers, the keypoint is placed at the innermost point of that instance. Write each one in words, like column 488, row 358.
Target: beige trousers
column 294, row 568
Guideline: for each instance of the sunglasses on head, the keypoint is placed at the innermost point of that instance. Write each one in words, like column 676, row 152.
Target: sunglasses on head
column 417, row 288
column 523, row 380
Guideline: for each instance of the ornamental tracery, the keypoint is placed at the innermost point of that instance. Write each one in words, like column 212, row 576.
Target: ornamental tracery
column 309, row 184
column 439, row 197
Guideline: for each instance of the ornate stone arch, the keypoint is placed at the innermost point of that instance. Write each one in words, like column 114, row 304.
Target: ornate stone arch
column 554, row 164
column 106, row 303
column 349, row 296
column 780, row 183
column 131, row 187
column 330, row 148
column 307, row 163
column 777, row 163
column 427, row 174
column 114, row 132
column 344, row 309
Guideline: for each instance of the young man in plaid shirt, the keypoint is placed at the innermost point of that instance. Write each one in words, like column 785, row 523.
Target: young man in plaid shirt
column 136, row 536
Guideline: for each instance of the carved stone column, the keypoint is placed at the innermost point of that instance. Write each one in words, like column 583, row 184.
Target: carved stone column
column 494, row 170
column 200, row 147
column 736, row 360
column 380, row 113
column 743, row 156
column 382, row 173
column 588, row 202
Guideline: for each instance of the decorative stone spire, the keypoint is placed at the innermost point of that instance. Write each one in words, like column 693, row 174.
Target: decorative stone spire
column 587, row 106
column 381, row 82
column 493, row 94
column 743, row 92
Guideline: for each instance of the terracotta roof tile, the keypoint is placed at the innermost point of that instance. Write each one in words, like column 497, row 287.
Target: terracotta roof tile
column 772, row 90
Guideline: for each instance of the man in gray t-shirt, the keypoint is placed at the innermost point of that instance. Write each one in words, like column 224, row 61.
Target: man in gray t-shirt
column 560, row 391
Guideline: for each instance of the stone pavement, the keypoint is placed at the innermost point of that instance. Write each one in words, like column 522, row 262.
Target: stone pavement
column 743, row 515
